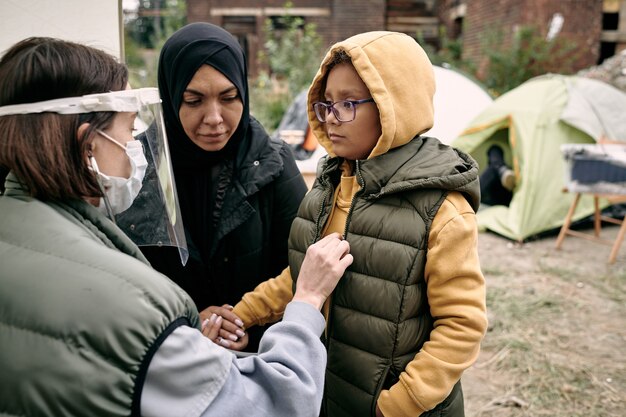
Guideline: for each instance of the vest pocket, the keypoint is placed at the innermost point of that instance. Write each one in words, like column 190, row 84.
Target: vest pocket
column 382, row 384
column 452, row 406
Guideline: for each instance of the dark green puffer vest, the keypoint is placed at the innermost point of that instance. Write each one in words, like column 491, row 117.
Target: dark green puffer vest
column 81, row 312
column 379, row 315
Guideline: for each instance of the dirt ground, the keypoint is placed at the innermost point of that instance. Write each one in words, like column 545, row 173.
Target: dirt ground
column 556, row 339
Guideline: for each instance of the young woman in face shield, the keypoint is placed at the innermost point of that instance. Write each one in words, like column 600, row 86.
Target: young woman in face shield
column 87, row 326
column 239, row 190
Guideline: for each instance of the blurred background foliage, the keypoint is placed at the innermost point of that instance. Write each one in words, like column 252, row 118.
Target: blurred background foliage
column 293, row 52
column 529, row 56
column 509, row 66
column 146, row 30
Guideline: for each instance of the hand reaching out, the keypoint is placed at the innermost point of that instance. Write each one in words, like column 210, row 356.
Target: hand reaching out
column 323, row 266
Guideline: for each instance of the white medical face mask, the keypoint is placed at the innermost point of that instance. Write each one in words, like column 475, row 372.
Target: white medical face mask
column 121, row 192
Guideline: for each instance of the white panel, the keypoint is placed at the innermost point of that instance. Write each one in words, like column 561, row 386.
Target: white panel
column 92, row 22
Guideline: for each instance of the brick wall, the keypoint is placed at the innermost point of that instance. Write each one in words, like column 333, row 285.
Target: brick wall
column 199, row 11
column 335, row 20
column 351, row 17
column 344, row 18
column 582, row 24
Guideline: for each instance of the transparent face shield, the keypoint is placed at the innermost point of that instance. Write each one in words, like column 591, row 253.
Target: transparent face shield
column 154, row 217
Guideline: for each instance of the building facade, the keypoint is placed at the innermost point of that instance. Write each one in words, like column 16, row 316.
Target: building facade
column 597, row 27
column 335, row 20
column 613, row 37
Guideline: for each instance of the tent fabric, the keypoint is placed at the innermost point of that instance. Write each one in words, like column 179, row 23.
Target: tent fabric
column 528, row 123
column 599, row 115
column 458, row 99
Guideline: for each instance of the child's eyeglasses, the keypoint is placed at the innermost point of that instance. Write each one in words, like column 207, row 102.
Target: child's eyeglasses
column 344, row 110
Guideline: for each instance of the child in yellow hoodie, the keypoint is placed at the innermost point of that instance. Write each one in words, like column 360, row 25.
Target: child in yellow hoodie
column 408, row 316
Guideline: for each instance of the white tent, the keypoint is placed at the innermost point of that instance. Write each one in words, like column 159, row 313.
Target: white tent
column 457, row 101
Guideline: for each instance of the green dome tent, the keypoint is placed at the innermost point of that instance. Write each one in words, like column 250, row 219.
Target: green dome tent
column 530, row 123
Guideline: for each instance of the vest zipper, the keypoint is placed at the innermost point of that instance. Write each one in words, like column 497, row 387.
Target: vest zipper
column 318, row 218
column 361, row 182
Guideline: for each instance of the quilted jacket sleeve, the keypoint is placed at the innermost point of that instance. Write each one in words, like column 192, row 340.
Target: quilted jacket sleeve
column 456, row 294
column 266, row 304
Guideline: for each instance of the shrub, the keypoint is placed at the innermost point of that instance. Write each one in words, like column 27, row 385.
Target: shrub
column 529, row 55
column 292, row 53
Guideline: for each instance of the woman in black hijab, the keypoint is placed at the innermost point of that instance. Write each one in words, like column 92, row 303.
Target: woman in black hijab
column 238, row 189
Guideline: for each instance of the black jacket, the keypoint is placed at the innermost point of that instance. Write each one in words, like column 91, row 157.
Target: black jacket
column 237, row 203
column 250, row 242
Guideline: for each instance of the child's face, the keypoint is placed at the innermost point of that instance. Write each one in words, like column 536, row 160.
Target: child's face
column 356, row 139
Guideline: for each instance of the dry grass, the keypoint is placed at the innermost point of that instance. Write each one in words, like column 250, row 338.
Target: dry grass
column 555, row 345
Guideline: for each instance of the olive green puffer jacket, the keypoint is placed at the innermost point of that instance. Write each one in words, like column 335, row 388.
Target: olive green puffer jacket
column 379, row 316
column 81, row 311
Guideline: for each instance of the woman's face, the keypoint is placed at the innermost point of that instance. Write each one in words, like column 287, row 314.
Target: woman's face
column 211, row 109
column 356, row 139
column 112, row 159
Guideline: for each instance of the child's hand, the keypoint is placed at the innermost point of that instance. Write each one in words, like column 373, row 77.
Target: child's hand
column 231, row 333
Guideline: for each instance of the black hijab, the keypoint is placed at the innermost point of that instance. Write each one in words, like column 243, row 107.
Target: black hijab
column 202, row 177
column 182, row 55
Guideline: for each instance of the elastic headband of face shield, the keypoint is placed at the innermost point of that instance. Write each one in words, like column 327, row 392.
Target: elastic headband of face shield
column 115, row 101
column 154, row 218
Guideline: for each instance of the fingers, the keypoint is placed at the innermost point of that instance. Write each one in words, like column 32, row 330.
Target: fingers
column 230, row 335
column 346, row 261
column 229, row 328
column 233, row 320
column 223, row 327
column 330, row 243
column 225, row 312
column 230, row 340
column 207, row 312
column 211, row 326
column 323, row 265
column 241, row 344
column 343, row 248
column 328, row 239
column 232, row 326
column 328, row 250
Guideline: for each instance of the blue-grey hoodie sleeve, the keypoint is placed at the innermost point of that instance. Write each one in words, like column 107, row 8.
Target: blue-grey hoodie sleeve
column 190, row 375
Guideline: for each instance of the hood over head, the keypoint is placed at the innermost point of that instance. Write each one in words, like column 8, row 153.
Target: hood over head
column 400, row 78
column 182, row 55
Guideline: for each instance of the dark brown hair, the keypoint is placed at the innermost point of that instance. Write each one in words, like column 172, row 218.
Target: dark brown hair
column 339, row 56
column 43, row 150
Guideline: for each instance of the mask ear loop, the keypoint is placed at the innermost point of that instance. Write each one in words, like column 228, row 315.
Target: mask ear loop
column 123, row 147
column 107, row 204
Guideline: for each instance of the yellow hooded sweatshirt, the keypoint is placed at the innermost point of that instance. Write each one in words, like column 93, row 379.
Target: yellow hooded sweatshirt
column 400, row 79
